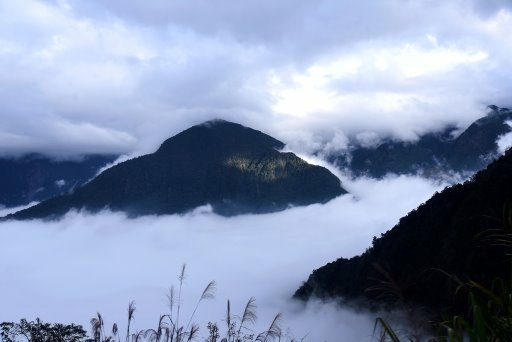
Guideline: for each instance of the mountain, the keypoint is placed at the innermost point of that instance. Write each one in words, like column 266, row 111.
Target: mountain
column 433, row 153
column 233, row 168
column 464, row 231
column 34, row 177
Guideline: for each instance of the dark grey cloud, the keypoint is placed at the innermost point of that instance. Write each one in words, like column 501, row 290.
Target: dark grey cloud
column 490, row 7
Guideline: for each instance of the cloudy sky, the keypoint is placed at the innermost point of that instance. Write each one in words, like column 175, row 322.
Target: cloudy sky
column 122, row 75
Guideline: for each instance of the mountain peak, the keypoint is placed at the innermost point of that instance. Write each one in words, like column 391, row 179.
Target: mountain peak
column 495, row 110
column 220, row 136
column 233, row 168
column 218, row 122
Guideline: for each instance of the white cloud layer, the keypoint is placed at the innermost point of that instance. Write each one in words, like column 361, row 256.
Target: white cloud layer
column 121, row 76
column 504, row 142
column 67, row 270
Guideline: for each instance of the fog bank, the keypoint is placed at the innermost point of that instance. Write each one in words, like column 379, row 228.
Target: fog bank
column 69, row 269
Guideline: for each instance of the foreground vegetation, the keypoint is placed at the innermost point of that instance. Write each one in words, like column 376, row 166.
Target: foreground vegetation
column 489, row 318
column 171, row 326
column 488, row 313
column 39, row 331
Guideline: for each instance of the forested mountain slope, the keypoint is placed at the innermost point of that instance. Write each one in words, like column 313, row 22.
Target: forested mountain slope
column 35, row 177
column 433, row 154
column 459, row 232
column 233, row 168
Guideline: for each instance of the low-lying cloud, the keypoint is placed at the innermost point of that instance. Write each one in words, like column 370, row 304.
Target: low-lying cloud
column 67, row 270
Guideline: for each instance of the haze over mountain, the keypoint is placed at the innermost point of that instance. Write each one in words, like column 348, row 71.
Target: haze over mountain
column 35, row 177
column 433, row 154
column 122, row 76
column 233, row 168
column 462, row 231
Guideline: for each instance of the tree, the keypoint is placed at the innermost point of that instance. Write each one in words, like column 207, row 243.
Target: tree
column 38, row 331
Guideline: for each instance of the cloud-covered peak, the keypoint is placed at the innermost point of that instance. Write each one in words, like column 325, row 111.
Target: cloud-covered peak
column 121, row 76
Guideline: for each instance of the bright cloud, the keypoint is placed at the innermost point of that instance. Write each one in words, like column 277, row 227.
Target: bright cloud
column 141, row 73
column 315, row 91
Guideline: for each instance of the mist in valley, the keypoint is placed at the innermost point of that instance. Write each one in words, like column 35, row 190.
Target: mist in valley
column 67, row 270
column 120, row 77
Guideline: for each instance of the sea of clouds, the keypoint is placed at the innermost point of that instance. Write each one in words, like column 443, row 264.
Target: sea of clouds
column 68, row 270
column 122, row 76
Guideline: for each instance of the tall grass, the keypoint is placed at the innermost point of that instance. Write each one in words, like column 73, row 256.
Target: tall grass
column 170, row 327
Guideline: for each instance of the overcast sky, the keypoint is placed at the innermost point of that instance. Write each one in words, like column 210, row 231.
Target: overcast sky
column 122, row 75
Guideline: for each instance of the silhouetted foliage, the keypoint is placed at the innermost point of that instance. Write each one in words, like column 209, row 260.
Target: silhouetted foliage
column 489, row 308
column 38, row 331
column 173, row 328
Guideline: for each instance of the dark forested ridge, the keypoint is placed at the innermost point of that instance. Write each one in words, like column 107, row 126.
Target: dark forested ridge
column 34, row 177
column 434, row 153
column 459, row 231
column 234, row 168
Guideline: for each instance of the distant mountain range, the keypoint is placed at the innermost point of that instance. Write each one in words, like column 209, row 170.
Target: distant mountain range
column 464, row 231
column 433, row 154
column 233, row 168
column 34, row 177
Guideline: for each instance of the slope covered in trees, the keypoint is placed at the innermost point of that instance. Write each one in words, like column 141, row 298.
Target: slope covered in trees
column 231, row 167
column 34, row 177
column 434, row 153
column 462, row 232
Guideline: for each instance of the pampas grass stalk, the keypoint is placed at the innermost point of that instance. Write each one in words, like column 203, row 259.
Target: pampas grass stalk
column 208, row 293
column 131, row 312
column 181, row 279
column 249, row 316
